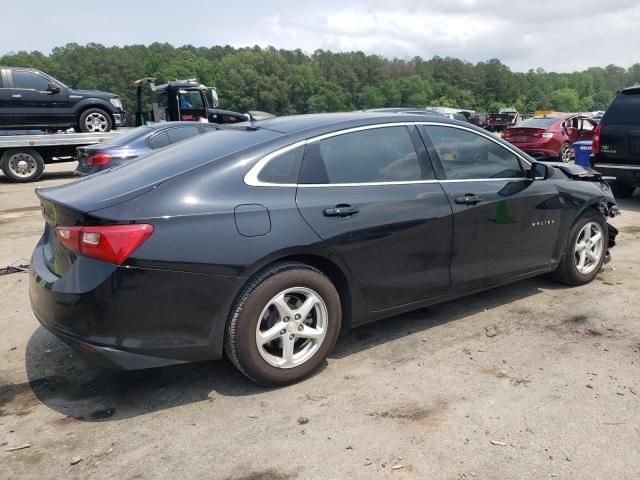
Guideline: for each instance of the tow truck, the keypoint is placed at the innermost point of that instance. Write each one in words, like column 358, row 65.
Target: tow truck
column 185, row 100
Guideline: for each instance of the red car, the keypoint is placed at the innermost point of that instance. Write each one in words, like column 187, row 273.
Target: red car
column 550, row 136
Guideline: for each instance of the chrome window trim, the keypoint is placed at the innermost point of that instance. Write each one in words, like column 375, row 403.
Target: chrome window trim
column 251, row 177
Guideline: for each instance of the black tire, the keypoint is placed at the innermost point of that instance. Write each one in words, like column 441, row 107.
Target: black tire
column 13, row 164
column 565, row 152
column 240, row 337
column 103, row 121
column 622, row 189
column 567, row 271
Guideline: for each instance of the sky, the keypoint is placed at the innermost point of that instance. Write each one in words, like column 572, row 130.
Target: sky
column 556, row 35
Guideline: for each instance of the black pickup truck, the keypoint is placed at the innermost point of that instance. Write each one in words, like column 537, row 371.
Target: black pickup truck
column 616, row 142
column 31, row 99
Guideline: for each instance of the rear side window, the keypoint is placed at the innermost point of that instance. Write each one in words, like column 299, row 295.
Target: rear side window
column 624, row 109
column 29, row 81
column 182, row 133
column 284, row 168
column 159, row 140
column 468, row 155
column 369, row 156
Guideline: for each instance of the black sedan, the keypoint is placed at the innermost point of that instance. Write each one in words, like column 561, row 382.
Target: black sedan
column 135, row 143
column 264, row 241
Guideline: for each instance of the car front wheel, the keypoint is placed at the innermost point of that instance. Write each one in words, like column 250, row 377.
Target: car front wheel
column 284, row 324
column 95, row 120
column 584, row 250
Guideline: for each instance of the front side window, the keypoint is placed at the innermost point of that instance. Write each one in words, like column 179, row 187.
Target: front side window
column 467, row 155
column 375, row 155
column 29, row 81
column 191, row 100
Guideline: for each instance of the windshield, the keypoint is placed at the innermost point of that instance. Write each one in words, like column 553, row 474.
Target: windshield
column 125, row 138
column 538, row 122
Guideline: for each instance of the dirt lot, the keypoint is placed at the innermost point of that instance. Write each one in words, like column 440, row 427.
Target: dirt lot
column 555, row 393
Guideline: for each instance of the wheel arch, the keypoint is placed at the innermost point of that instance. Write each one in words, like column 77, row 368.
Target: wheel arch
column 329, row 267
column 88, row 104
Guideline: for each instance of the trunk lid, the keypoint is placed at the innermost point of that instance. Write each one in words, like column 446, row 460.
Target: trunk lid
column 523, row 134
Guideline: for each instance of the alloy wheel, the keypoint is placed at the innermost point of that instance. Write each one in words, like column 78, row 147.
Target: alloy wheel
column 96, row 122
column 589, row 248
column 22, row 165
column 292, row 327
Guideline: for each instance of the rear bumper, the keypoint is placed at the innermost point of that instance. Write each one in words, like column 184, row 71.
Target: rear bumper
column 133, row 317
column 538, row 150
column 627, row 173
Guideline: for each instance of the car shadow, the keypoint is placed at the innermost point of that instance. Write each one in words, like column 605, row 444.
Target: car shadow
column 81, row 391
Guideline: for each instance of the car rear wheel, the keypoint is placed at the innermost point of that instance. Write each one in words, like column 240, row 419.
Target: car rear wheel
column 22, row 165
column 284, row 324
column 565, row 152
column 622, row 190
column 584, row 250
column 95, row 120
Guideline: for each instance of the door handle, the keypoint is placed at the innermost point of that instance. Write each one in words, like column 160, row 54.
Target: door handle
column 16, row 95
column 340, row 211
column 468, row 199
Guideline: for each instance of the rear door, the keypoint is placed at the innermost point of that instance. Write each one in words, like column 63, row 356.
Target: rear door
column 587, row 128
column 504, row 223
column 371, row 195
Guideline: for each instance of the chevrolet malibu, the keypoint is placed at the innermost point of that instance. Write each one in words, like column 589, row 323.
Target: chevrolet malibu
column 264, row 242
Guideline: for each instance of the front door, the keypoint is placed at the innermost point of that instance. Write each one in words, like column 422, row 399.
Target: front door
column 371, row 195
column 33, row 103
column 191, row 105
column 505, row 224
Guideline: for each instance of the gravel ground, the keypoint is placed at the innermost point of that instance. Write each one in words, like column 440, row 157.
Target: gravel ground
column 532, row 380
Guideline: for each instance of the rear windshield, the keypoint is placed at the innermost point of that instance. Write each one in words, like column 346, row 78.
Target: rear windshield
column 125, row 138
column 624, row 109
column 538, row 122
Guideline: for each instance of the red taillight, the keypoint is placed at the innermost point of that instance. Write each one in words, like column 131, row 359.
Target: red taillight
column 595, row 146
column 110, row 243
column 99, row 160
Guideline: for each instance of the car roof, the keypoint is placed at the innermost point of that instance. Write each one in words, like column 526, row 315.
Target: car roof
column 179, row 84
column 299, row 123
column 633, row 89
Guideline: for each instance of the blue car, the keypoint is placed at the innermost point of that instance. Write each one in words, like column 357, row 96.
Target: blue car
column 139, row 141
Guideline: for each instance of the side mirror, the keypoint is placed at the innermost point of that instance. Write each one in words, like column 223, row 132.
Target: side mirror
column 54, row 88
column 540, row 171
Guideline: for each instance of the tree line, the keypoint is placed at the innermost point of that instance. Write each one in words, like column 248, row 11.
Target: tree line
column 291, row 81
